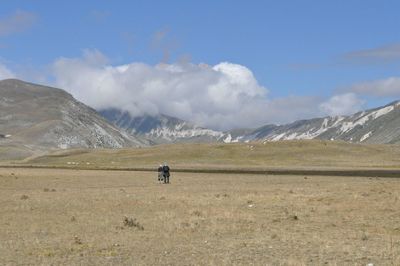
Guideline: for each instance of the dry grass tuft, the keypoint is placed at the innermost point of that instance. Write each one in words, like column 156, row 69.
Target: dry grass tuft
column 24, row 197
column 132, row 222
column 77, row 240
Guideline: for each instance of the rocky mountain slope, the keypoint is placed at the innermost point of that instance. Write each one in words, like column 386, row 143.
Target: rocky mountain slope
column 379, row 125
column 38, row 116
column 161, row 128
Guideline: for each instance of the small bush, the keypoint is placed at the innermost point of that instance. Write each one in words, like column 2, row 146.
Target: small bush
column 77, row 240
column 129, row 222
column 197, row 213
column 24, row 197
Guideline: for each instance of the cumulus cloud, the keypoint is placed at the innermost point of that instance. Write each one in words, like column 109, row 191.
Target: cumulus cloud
column 5, row 73
column 389, row 87
column 222, row 96
column 343, row 104
column 17, row 22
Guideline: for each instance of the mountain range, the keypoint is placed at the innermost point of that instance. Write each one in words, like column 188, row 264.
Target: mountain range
column 379, row 125
column 161, row 128
column 37, row 116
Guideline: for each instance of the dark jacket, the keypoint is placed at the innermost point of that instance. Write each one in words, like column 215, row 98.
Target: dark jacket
column 165, row 169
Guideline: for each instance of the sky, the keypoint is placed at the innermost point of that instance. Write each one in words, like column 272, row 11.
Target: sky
column 221, row 64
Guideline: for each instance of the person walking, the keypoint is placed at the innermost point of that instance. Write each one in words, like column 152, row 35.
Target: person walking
column 160, row 173
column 166, row 173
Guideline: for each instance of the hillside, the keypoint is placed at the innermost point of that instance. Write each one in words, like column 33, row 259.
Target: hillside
column 379, row 125
column 39, row 117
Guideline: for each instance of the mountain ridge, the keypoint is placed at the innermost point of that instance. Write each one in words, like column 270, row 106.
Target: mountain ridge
column 383, row 124
column 46, row 117
column 42, row 116
column 161, row 128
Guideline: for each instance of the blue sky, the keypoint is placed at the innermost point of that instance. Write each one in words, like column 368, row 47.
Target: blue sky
column 315, row 49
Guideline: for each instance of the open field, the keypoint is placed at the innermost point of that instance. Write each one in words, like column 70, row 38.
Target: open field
column 75, row 217
column 258, row 155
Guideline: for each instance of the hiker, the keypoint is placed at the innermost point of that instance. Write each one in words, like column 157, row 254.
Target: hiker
column 166, row 174
column 160, row 173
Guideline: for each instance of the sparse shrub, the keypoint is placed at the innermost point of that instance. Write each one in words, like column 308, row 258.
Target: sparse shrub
column 46, row 189
column 294, row 217
column 77, row 240
column 185, row 224
column 197, row 213
column 53, row 190
column 24, row 197
column 129, row 222
column 73, row 219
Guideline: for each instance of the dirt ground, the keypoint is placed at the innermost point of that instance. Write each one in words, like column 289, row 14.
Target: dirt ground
column 71, row 217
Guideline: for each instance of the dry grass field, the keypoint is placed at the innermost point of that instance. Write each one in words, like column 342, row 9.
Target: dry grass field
column 283, row 154
column 77, row 217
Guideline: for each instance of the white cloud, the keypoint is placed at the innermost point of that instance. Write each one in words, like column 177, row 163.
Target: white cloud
column 343, row 104
column 389, row 87
column 223, row 96
column 19, row 21
column 5, row 73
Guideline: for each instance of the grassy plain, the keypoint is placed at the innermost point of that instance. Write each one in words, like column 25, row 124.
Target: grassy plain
column 257, row 155
column 76, row 217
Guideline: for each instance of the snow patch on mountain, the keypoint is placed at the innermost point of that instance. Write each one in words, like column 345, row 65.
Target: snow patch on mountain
column 181, row 131
column 348, row 128
column 366, row 136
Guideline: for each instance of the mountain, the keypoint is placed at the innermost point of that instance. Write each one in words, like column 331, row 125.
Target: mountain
column 162, row 128
column 379, row 125
column 38, row 116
